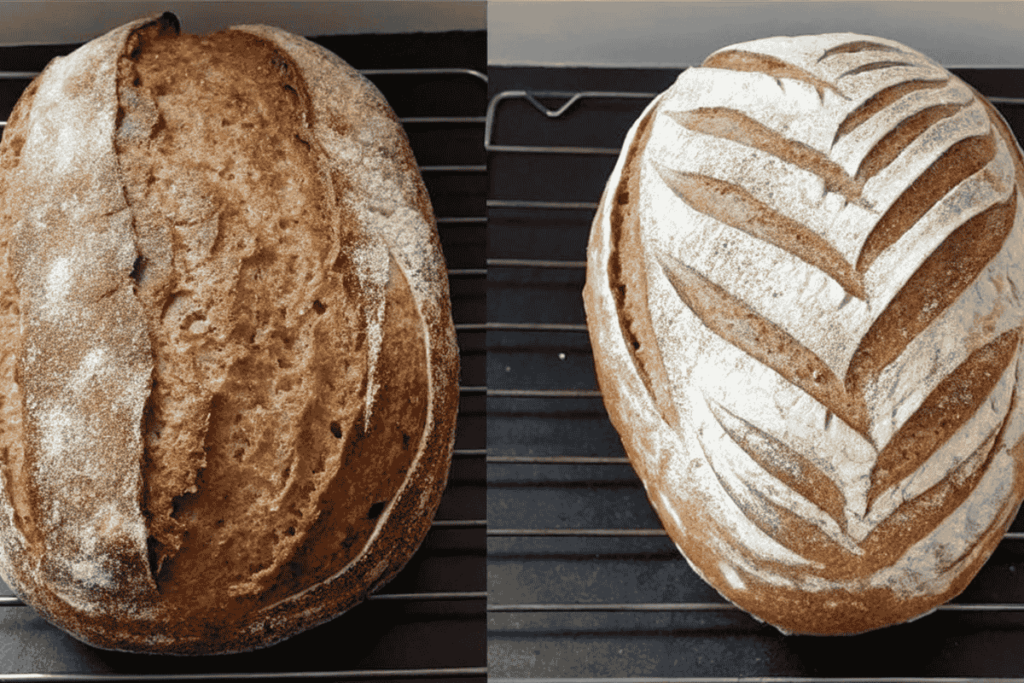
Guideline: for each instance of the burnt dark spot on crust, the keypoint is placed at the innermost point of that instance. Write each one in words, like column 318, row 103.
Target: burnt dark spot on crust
column 280, row 63
column 376, row 509
column 160, row 126
column 138, row 268
column 168, row 20
column 153, row 555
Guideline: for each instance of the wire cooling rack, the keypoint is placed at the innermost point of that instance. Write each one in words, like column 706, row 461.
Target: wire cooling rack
column 429, row 622
column 583, row 582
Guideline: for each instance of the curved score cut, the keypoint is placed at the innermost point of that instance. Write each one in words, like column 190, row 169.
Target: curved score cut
column 629, row 286
column 784, row 463
column 934, row 286
column 858, row 46
column 882, row 99
column 729, row 124
column 967, row 156
column 741, row 60
column 377, row 459
column 734, row 206
column 740, row 325
column 947, row 408
column 902, row 136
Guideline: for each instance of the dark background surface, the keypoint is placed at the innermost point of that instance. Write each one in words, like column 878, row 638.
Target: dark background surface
column 379, row 635
column 537, row 582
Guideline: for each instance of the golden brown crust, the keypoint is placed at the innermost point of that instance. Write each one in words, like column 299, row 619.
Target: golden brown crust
column 280, row 258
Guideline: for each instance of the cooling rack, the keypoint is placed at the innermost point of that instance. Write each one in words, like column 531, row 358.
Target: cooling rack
column 429, row 622
column 583, row 582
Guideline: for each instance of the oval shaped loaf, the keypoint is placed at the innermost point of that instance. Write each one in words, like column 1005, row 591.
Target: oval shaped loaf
column 229, row 375
column 803, row 299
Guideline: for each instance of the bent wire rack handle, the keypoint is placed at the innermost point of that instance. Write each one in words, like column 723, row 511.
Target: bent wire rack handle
column 571, row 98
column 428, row 71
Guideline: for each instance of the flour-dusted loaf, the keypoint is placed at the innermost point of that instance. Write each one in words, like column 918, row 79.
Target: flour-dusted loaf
column 229, row 374
column 803, row 295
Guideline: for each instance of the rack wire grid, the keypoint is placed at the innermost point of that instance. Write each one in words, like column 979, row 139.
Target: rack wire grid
column 583, row 582
column 429, row 622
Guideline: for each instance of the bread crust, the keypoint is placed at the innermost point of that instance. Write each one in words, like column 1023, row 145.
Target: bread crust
column 135, row 366
column 800, row 501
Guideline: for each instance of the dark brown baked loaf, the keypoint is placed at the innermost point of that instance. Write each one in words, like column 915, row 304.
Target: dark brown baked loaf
column 803, row 296
column 228, row 380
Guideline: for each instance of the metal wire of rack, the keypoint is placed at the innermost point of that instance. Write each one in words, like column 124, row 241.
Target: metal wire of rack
column 584, row 582
column 421, row 599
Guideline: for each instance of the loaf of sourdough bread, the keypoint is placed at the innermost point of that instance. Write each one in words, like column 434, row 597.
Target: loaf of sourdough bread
column 803, row 296
column 229, row 373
